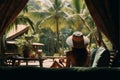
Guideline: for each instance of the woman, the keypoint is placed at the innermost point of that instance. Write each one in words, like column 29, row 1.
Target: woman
column 79, row 54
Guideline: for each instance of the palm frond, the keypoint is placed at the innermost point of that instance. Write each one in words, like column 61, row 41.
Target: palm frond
column 25, row 9
column 78, row 5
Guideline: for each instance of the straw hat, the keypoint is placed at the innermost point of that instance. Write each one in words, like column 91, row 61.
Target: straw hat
column 77, row 40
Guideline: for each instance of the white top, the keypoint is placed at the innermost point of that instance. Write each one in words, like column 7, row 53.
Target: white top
column 98, row 55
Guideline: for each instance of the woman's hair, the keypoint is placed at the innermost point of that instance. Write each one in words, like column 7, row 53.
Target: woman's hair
column 78, row 41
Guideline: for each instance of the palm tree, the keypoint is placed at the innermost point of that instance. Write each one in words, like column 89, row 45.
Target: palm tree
column 55, row 19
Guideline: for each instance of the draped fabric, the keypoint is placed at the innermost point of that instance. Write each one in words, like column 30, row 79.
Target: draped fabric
column 105, row 14
column 9, row 9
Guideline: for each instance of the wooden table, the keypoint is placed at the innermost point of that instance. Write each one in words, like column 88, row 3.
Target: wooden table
column 26, row 60
column 9, row 56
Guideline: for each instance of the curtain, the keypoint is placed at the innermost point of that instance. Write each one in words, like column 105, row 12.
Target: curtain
column 105, row 14
column 9, row 9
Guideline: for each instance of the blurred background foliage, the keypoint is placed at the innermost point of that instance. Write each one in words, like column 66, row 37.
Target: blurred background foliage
column 52, row 21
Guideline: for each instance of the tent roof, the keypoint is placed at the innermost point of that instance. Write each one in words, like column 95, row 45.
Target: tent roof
column 17, row 32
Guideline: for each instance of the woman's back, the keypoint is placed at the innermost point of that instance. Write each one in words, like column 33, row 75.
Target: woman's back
column 77, row 57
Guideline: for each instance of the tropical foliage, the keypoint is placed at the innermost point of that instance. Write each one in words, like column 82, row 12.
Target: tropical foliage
column 54, row 20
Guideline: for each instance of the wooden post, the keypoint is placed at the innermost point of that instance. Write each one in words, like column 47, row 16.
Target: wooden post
column 0, row 44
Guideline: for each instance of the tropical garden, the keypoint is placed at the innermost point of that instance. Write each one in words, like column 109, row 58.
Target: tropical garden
column 52, row 21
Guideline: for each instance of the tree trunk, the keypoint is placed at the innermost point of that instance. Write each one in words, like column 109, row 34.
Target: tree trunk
column 52, row 42
column 57, row 35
